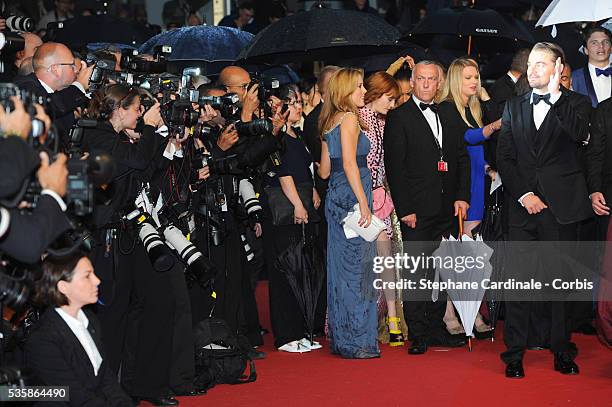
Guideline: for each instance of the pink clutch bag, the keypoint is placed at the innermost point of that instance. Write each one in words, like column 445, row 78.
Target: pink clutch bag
column 382, row 203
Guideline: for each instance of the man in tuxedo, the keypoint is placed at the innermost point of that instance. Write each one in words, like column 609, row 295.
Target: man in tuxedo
column 595, row 79
column 538, row 160
column 57, row 75
column 428, row 171
column 503, row 88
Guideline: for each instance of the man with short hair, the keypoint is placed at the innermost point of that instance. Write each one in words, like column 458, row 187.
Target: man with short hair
column 428, row 171
column 55, row 75
column 503, row 88
column 538, row 159
column 243, row 19
column 595, row 79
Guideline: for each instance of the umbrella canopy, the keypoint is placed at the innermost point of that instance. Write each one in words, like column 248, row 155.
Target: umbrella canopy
column 321, row 34
column 466, row 300
column 566, row 11
column 303, row 265
column 203, row 42
column 474, row 29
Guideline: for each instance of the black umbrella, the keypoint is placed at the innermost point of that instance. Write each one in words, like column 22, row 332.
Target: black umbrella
column 568, row 37
column 475, row 29
column 303, row 265
column 322, row 34
column 381, row 62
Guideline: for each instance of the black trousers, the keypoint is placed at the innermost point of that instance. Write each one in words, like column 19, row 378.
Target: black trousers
column 424, row 317
column 540, row 227
column 145, row 318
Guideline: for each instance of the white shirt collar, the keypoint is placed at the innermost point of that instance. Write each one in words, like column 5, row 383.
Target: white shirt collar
column 592, row 69
column 80, row 321
column 419, row 101
column 47, row 87
column 514, row 80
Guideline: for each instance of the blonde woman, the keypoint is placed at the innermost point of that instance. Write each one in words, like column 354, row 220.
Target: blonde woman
column 352, row 312
column 462, row 89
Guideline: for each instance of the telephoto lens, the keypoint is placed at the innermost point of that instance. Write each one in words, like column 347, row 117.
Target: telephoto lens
column 248, row 196
column 255, row 127
column 14, row 290
column 159, row 254
column 199, row 268
column 19, row 23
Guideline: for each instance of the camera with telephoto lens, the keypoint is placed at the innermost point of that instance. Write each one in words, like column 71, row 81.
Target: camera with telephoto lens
column 267, row 87
column 104, row 66
column 133, row 62
column 228, row 165
column 29, row 101
column 15, row 23
column 226, row 104
column 159, row 254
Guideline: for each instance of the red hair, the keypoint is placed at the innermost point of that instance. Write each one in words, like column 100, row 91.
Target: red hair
column 380, row 83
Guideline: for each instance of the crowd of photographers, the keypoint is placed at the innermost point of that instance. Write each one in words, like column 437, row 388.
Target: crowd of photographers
column 155, row 179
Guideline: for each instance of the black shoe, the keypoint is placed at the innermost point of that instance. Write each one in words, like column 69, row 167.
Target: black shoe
column 585, row 329
column 564, row 364
column 538, row 347
column 514, row 370
column 161, row 401
column 188, row 393
column 417, row 347
column 446, row 341
column 256, row 354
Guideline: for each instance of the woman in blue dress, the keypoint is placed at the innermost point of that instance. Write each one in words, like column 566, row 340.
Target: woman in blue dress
column 351, row 303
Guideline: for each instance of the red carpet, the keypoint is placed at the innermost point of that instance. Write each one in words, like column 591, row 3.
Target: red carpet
column 439, row 378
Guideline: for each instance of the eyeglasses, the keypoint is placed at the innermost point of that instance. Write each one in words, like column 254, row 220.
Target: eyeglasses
column 243, row 86
column 72, row 64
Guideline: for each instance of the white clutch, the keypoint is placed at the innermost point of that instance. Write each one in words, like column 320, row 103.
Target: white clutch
column 352, row 228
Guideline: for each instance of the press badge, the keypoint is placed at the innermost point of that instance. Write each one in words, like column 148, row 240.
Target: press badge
column 442, row 166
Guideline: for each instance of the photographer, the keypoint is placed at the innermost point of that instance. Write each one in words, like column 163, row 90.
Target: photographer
column 41, row 226
column 65, row 347
column 134, row 303
column 57, row 75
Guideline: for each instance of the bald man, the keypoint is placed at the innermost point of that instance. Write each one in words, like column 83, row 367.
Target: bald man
column 237, row 80
column 55, row 75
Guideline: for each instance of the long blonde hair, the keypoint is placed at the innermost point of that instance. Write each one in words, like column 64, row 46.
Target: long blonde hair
column 341, row 86
column 452, row 90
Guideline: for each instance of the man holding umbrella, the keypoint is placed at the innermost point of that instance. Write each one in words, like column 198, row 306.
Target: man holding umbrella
column 537, row 158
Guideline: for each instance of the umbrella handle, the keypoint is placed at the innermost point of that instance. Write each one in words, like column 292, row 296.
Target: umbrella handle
column 460, row 216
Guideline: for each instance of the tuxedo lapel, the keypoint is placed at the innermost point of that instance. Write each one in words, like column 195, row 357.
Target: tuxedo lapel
column 589, row 85
column 527, row 123
column 424, row 124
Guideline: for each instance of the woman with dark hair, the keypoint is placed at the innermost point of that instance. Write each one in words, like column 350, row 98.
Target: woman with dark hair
column 64, row 348
column 382, row 93
column 138, row 304
column 294, row 178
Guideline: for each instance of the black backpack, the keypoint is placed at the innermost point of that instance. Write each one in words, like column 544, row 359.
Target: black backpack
column 216, row 366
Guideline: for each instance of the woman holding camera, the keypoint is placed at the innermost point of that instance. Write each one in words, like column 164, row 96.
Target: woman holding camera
column 135, row 303
column 293, row 182
column 64, row 347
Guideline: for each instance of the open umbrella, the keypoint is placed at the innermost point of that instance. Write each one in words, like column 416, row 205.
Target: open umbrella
column 204, row 42
column 321, row 34
column 478, row 30
column 303, row 265
column 567, row 11
column 467, row 292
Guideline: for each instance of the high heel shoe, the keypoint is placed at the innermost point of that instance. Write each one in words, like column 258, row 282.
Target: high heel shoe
column 453, row 326
column 482, row 330
column 396, row 338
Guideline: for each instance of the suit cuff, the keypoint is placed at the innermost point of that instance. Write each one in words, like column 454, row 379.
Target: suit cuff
column 57, row 198
column 523, row 197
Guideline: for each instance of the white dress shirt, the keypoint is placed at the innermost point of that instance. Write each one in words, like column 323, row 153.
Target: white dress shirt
column 78, row 326
column 601, row 83
column 432, row 119
column 539, row 114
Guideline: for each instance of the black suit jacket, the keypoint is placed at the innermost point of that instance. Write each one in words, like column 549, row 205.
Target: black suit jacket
column 411, row 157
column 545, row 161
column 312, row 138
column 599, row 150
column 63, row 104
column 57, row 358
column 501, row 91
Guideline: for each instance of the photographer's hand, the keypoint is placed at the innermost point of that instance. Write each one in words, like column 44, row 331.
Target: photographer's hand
column 54, row 176
column 153, row 117
column 84, row 74
column 2, row 24
column 43, row 117
column 228, row 138
column 250, row 104
column 207, row 113
column 278, row 121
column 17, row 122
column 203, row 173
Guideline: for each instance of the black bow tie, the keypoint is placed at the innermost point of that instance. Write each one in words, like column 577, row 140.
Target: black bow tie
column 538, row 98
column 432, row 106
